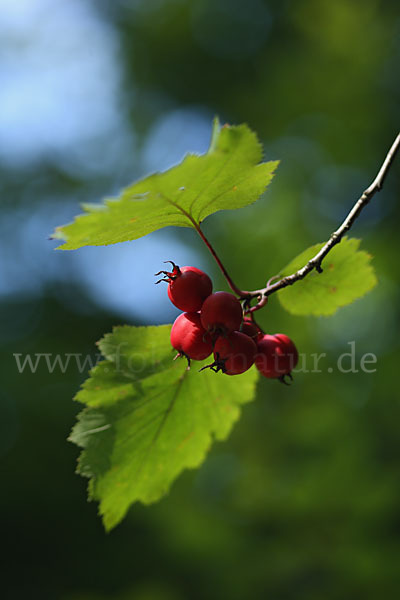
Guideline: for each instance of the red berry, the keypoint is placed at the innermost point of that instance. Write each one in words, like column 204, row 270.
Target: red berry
column 277, row 356
column 188, row 287
column 221, row 313
column 251, row 329
column 234, row 354
column 190, row 338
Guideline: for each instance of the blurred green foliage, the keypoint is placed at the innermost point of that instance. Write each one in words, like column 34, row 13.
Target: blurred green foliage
column 302, row 502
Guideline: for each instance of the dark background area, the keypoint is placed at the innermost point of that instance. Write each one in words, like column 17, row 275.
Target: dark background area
column 302, row 502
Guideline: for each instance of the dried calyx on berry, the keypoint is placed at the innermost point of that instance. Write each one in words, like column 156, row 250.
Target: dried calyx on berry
column 188, row 287
column 189, row 338
column 169, row 276
column 233, row 354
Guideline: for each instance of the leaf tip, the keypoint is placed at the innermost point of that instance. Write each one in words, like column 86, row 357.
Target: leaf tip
column 58, row 234
column 216, row 128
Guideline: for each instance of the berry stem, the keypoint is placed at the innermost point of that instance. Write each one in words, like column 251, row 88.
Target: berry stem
column 225, row 273
column 242, row 295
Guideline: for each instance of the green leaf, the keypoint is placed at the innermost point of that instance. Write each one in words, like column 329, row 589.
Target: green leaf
column 147, row 418
column 228, row 176
column 347, row 275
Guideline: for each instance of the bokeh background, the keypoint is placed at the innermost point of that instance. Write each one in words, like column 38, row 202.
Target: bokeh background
column 303, row 500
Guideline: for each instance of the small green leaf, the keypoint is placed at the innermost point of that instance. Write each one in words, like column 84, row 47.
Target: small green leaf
column 347, row 275
column 228, row 176
column 147, row 418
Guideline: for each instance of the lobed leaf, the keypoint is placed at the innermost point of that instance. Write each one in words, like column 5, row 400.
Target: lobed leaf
column 347, row 275
column 228, row 176
column 147, row 418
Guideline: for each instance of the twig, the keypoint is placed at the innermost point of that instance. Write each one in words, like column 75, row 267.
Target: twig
column 314, row 263
column 335, row 238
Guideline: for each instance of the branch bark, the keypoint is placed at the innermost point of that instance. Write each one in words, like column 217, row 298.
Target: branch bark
column 335, row 238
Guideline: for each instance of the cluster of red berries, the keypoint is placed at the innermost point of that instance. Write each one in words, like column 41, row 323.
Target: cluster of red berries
column 214, row 323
